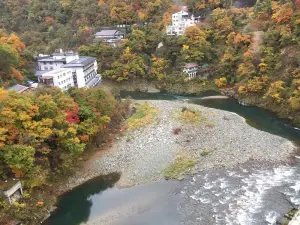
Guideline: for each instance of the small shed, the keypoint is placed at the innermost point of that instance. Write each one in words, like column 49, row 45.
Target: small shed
column 11, row 189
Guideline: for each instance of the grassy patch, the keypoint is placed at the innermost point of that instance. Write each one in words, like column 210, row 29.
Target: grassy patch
column 181, row 166
column 191, row 116
column 144, row 115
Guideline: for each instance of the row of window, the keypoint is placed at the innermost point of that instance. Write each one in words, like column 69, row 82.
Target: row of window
column 88, row 66
column 64, row 81
column 46, row 68
column 67, row 87
column 90, row 76
column 62, row 75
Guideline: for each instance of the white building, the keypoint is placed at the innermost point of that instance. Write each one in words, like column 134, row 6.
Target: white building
column 57, row 60
column 83, row 69
column 191, row 69
column 180, row 21
column 61, row 77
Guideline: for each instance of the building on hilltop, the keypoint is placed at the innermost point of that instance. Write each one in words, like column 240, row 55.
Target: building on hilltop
column 180, row 21
column 191, row 69
column 61, row 77
column 109, row 36
column 83, row 70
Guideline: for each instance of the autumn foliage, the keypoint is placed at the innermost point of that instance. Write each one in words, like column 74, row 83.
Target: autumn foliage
column 11, row 58
column 44, row 131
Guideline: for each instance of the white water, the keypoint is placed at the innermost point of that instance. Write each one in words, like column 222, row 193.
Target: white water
column 245, row 196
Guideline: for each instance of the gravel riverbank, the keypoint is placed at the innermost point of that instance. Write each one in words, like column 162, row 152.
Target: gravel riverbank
column 141, row 155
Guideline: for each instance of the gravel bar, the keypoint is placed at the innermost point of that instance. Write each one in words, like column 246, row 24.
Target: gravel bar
column 141, row 155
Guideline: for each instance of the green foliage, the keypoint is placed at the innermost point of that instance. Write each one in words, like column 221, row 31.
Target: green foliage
column 18, row 157
column 129, row 66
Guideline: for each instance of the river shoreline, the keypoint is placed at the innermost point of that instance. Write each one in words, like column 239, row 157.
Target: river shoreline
column 141, row 159
column 195, row 89
column 229, row 139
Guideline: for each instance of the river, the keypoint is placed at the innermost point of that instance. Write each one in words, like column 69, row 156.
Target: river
column 249, row 194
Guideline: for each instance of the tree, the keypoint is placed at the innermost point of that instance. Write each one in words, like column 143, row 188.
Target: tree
column 158, row 68
column 275, row 90
column 19, row 158
column 221, row 82
column 122, row 13
column 130, row 65
column 11, row 49
column 195, row 46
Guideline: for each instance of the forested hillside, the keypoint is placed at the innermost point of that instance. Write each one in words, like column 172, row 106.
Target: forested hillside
column 47, row 25
column 253, row 51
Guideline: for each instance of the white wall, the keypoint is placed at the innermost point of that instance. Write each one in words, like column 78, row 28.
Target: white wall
column 179, row 23
column 62, row 78
column 80, row 77
column 47, row 65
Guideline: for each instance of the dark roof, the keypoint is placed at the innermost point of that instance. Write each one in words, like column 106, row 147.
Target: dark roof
column 107, row 32
column 82, row 61
column 18, row 88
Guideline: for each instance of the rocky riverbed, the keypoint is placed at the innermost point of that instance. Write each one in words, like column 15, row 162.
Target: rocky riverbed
column 227, row 140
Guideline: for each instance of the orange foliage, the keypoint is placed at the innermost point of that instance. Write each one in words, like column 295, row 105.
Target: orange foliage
column 84, row 138
column 49, row 20
column 16, row 74
column 283, row 14
column 101, row 3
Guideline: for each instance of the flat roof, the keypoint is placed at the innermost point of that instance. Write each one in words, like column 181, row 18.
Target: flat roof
column 81, row 62
column 18, row 88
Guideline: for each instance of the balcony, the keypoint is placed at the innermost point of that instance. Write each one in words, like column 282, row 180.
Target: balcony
column 47, row 81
